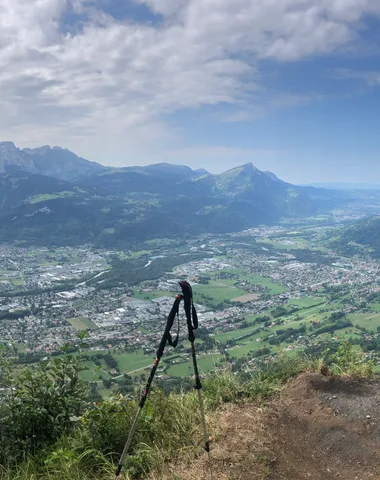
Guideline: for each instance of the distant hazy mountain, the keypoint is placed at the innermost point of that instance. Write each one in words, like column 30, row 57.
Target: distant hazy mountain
column 346, row 186
column 50, row 195
column 12, row 158
column 54, row 162
column 249, row 184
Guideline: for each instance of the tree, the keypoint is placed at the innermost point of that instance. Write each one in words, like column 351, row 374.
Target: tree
column 39, row 406
column 93, row 394
column 107, row 383
column 110, row 361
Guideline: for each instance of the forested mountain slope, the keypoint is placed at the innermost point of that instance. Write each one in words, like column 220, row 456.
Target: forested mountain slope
column 51, row 196
column 361, row 237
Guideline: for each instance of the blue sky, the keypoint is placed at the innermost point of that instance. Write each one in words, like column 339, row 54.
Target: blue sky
column 292, row 86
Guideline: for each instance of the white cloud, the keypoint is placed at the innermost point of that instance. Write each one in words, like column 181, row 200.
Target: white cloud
column 244, row 115
column 115, row 79
column 290, row 100
column 371, row 78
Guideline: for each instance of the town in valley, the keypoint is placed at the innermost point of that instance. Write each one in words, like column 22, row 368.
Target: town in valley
column 259, row 293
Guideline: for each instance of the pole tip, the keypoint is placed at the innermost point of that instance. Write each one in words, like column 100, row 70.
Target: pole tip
column 118, row 471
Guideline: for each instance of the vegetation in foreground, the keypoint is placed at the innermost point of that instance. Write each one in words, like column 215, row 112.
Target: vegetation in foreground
column 50, row 430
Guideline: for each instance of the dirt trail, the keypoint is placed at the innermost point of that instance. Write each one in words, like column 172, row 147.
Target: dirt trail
column 316, row 428
column 326, row 428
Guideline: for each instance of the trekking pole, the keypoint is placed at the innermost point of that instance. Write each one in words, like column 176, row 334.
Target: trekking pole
column 192, row 324
column 166, row 338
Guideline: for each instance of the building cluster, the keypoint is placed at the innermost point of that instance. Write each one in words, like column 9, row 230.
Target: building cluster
column 125, row 316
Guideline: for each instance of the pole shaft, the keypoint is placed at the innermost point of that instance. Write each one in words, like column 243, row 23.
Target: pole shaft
column 198, row 387
column 141, row 406
column 129, row 441
column 205, row 435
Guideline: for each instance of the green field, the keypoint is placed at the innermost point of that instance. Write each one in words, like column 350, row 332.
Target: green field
column 306, row 302
column 274, row 288
column 93, row 372
column 128, row 362
column 375, row 307
column 345, row 333
column 82, row 323
column 20, row 347
column 291, row 243
column 313, row 312
column 243, row 276
column 369, row 321
column 248, row 345
column 252, row 343
column 91, row 353
column 140, row 253
column 217, row 290
column 233, row 334
column 49, row 196
column 136, row 363
column 206, row 363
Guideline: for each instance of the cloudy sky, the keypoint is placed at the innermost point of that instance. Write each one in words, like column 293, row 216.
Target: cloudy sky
column 292, row 86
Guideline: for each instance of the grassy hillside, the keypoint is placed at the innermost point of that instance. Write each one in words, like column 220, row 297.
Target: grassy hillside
column 363, row 237
column 46, row 414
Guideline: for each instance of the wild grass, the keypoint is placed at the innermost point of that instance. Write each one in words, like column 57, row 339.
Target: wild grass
column 349, row 361
column 169, row 426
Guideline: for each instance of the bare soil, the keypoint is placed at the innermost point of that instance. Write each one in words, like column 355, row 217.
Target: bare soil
column 326, row 428
column 248, row 297
column 315, row 428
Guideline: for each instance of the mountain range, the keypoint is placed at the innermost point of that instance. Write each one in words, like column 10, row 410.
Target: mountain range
column 54, row 162
column 52, row 196
column 346, row 186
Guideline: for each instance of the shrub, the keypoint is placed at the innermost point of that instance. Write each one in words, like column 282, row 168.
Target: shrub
column 350, row 361
column 40, row 406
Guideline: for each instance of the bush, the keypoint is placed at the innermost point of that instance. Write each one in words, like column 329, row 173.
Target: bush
column 41, row 405
column 350, row 361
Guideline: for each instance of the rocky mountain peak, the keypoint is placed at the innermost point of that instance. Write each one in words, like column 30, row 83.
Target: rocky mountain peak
column 56, row 162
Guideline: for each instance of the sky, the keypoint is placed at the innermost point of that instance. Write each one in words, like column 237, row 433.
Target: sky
column 292, row 86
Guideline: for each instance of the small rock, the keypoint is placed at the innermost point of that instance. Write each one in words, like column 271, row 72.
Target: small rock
column 335, row 396
column 368, row 417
